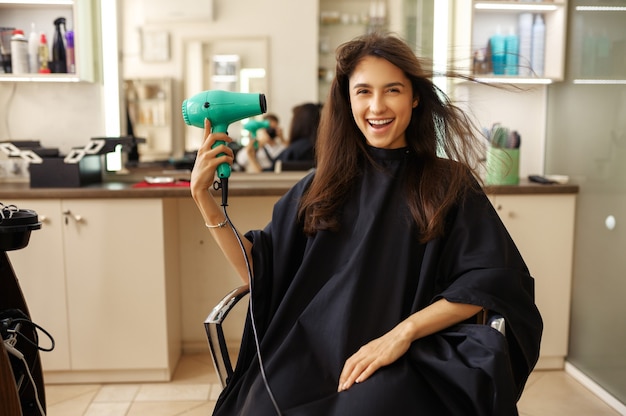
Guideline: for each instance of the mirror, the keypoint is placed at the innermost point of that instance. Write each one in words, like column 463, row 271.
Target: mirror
column 232, row 64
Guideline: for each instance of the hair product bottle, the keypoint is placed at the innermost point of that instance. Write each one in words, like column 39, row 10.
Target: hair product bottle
column 497, row 45
column 33, row 47
column 44, row 55
column 69, row 43
column 539, row 46
column 59, row 58
column 511, row 47
column 19, row 52
column 525, row 25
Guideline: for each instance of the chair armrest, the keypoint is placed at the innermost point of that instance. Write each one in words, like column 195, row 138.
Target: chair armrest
column 493, row 319
column 221, row 310
column 215, row 333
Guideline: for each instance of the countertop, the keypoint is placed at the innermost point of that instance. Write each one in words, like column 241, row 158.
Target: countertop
column 240, row 184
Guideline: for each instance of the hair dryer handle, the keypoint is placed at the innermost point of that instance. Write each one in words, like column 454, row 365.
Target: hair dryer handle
column 223, row 170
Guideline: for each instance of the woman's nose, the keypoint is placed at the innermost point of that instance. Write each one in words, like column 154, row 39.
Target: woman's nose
column 377, row 104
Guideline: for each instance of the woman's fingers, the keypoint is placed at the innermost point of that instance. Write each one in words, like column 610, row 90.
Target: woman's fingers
column 371, row 357
column 210, row 156
column 360, row 367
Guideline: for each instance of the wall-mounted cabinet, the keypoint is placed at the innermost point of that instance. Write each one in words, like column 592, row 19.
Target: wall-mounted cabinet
column 82, row 17
column 478, row 23
column 598, row 42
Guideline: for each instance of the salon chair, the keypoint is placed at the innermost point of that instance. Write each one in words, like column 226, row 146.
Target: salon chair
column 217, row 340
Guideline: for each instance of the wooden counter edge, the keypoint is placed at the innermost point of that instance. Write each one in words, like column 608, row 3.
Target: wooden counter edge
column 10, row 191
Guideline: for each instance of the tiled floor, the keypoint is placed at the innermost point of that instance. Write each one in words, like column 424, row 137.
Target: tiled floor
column 194, row 389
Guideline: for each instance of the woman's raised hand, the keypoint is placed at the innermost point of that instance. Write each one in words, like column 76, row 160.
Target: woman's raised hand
column 207, row 159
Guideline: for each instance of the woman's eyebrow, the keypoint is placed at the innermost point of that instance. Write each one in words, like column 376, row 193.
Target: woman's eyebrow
column 391, row 84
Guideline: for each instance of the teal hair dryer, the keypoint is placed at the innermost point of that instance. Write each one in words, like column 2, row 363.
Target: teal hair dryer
column 253, row 125
column 222, row 108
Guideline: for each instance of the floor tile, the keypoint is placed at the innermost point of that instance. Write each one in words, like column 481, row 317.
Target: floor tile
column 556, row 393
column 173, row 392
column 57, row 393
column 117, row 393
column 76, row 405
column 108, row 409
column 195, row 368
column 168, row 408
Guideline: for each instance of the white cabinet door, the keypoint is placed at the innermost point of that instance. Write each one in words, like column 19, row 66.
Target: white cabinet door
column 102, row 277
column 40, row 269
column 116, row 283
column 542, row 226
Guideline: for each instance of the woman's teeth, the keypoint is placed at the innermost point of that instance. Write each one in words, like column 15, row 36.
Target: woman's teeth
column 380, row 122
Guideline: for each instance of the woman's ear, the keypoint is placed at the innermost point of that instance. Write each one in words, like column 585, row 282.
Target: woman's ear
column 416, row 102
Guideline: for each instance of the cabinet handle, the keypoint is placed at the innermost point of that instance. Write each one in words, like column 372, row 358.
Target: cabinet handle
column 510, row 214
column 76, row 217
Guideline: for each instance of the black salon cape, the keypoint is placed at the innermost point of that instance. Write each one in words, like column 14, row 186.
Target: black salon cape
column 317, row 300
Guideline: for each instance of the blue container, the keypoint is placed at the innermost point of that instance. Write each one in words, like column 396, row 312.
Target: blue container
column 497, row 45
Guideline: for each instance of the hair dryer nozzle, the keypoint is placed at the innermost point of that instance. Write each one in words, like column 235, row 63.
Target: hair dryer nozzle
column 262, row 103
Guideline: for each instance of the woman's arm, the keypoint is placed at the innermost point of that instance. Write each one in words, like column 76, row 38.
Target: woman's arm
column 395, row 343
column 202, row 178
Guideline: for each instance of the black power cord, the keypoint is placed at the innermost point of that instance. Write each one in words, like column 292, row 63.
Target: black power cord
column 223, row 185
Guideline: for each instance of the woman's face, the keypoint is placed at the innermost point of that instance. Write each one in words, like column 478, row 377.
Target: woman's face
column 381, row 97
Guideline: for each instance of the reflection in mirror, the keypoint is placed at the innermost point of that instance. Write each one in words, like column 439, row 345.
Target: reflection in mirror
column 231, row 64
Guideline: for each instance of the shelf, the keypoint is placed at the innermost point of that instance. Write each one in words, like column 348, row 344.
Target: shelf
column 509, row 6
column 40, row 78
column 39, row 4
column 599, row 81
column 499, row 79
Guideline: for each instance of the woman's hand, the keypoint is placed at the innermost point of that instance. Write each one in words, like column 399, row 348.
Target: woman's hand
column 207, row 159
column 374, row 355
column 395, row 343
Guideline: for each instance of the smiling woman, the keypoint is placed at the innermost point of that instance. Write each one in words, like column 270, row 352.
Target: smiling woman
column 366, row 283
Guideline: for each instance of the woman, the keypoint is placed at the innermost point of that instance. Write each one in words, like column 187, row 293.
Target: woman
column 260, row 155
column 369, row 276
column 302, row 134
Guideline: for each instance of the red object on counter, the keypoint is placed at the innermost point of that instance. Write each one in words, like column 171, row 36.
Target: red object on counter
column 176, row 184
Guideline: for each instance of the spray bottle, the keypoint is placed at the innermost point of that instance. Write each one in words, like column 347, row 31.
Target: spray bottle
column 222, row 108
column 59, row 58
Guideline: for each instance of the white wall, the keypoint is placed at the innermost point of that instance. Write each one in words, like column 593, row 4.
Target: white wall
column 60, row 115
column 521, row 109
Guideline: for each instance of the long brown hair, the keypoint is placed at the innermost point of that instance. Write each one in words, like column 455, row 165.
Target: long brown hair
column 440, row 134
